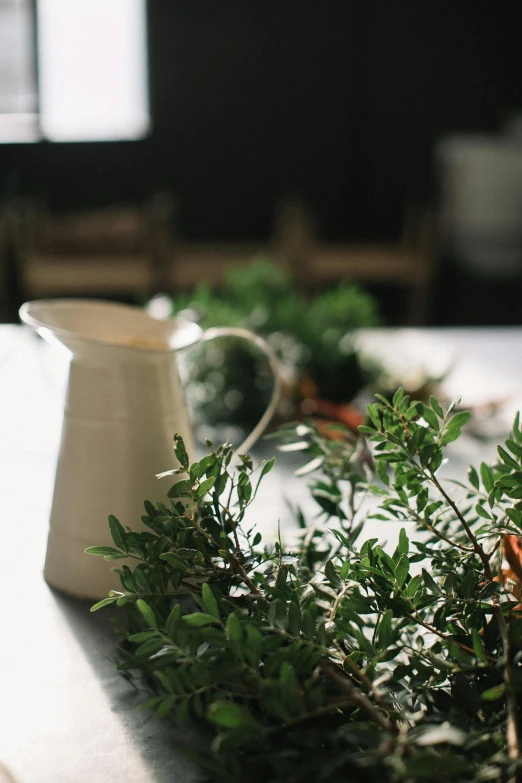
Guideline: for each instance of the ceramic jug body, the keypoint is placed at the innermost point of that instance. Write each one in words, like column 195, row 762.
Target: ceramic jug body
column 124, row 403
column 122, row 409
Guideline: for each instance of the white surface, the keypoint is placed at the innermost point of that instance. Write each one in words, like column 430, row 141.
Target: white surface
column 480, row 365
column 67, row 716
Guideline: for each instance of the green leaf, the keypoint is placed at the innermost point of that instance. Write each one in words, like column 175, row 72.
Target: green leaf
column 507, row 458
column 142, row 636
column 436, row 407
column 195, row 472
column 332, row 575
column 417, row 439
column 267, row 467
column 117, row 532
column 430, row 417
column 205, row 487
column 282, row 576
column 401, row 570
column 290, row 686
column 173, row 620
column 413, row 585
column 374, row 414
column 219, row 487
column 152, row 702
column 228, row 714
column 450, row 435
column 174, row 560
column 473, row 478
column 253, row 644
column 364, row 429
column 397, row 397
column 180, row 451
column 478, row 646
column 492, row 694
column 103, row 602
column 206, row 463
column 404, row 544
column 458, row 420
column 244, row 490
column 141, row 581
column 294, row 618
column 104, row 551
column 180, row 489
column 165, row 707
column 515, row 516
column 150, row 647
column 481, row 511
column 277, row 614
column 147, row 613
column 515, row 448
column 467, row 586
column 197, row 619
column 430, row 582
column 233, row 628
column 486, row 475
column 164, row 679
column 385, row 629
column 209, row 599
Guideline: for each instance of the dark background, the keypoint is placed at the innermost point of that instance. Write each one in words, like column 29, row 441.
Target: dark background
column 339, row 102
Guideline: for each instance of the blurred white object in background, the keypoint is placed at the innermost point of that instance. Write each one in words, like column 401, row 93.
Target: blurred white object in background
column 481, row 202
column 160, row 307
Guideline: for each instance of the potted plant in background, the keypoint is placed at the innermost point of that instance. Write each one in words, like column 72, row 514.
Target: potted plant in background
column 312, row 335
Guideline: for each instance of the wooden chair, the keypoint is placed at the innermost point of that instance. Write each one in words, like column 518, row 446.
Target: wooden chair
column 115, row 252
column 408, row 263
column 132, row 252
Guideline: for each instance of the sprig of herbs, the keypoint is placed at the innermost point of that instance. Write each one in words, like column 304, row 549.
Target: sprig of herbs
column 336, row 661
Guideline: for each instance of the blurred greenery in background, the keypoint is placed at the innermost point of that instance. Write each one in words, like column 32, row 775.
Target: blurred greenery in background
column 228, row 381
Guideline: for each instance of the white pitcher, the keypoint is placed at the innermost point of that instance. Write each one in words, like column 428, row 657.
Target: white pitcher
column 123, row 405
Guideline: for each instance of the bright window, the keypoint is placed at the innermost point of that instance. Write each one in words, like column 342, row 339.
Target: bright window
column 91, row 60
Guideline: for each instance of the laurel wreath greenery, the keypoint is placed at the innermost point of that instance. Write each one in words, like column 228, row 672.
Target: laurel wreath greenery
column 336, row 660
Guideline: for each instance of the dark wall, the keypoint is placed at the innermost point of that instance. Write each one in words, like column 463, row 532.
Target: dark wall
column 338, row 100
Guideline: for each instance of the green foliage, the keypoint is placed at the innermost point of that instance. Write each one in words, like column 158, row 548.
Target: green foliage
column 311, row 335
column 336, row 661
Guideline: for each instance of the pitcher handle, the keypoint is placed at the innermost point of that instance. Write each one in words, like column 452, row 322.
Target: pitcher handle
column 273, row 361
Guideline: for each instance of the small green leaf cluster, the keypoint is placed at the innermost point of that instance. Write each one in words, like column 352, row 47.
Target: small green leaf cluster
column 335, row 661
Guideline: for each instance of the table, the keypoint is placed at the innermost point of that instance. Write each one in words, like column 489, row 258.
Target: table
column 67, row 716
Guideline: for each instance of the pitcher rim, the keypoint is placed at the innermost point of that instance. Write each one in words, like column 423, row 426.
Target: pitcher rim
column 35, row 322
